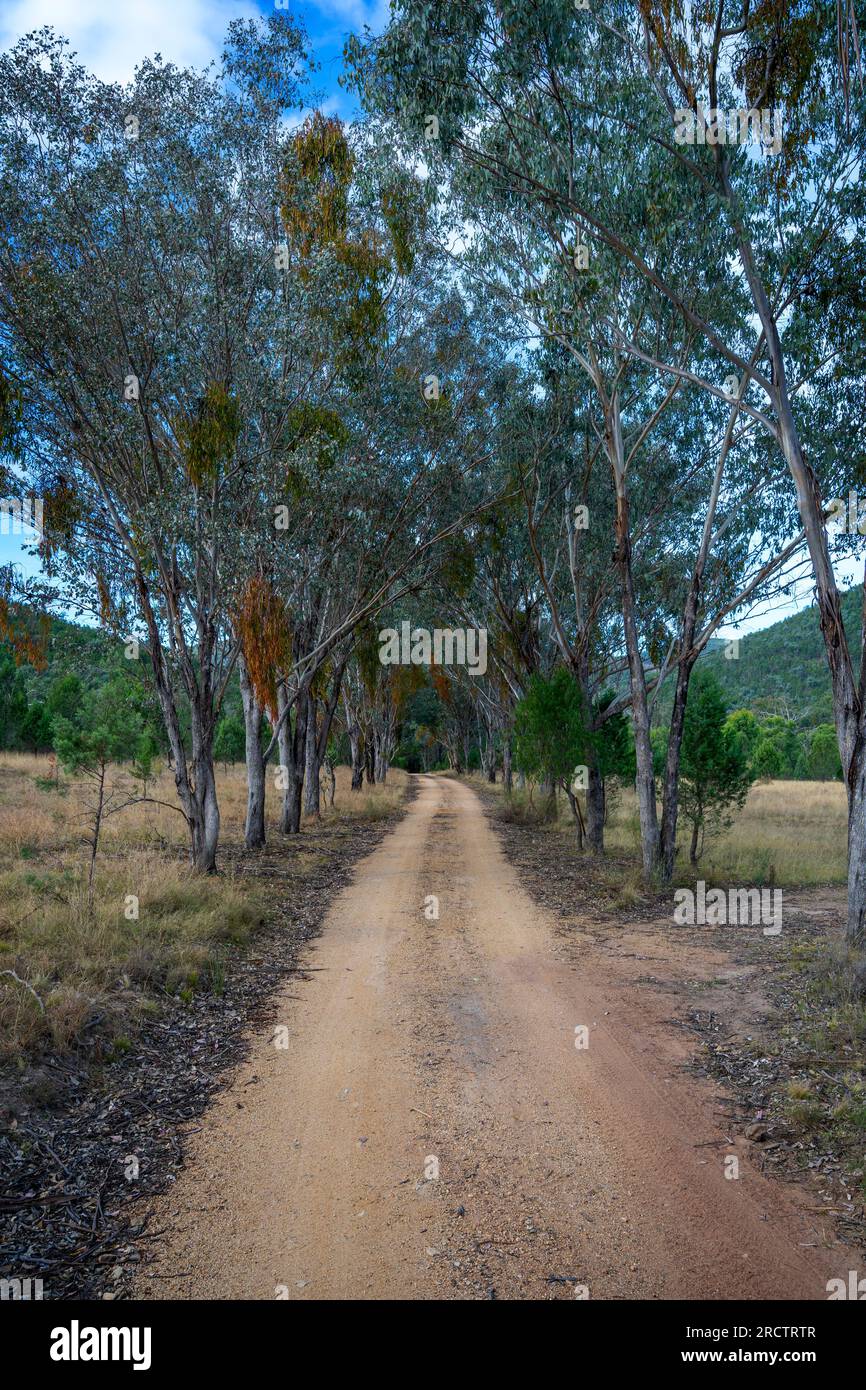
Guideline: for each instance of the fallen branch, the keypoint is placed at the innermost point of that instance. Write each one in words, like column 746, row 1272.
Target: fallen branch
column 17, row 977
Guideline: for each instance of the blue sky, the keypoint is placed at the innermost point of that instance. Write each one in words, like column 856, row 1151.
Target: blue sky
column 110, row 37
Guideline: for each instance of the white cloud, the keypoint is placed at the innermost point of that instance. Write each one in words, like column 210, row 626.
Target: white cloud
column 111, row 37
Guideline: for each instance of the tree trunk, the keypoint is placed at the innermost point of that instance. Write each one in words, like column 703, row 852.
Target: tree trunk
column 312, row 790
column 197, row 797
column 547, row 796
column 849, row 693
column 685, row 666
column 380, row 762
column 316, row 742
column 671, row 791
column 506, row 765
column 254, row 827
column 357, row 757
column 97, row 826
column 284, row 748
column 578, row 817
column 849, row 704
column 595, row 809
column 206, row 815
column 292, row 743
column 645, row 781
column 332, row 781
column 693, row 848
column 857, row 849
column 177, row 752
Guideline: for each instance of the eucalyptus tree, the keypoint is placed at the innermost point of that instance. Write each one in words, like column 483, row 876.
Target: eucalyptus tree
column 140, row 226
column 577, row 208
column 792, row 219
column 564, row 600
column 387, row 468
column 374, row 696
column 324, row 697
column 519, row 91
column 354, row 721
column 683, row 587
column 508, row 137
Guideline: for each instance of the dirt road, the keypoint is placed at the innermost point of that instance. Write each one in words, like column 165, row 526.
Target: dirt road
column 421, row 1125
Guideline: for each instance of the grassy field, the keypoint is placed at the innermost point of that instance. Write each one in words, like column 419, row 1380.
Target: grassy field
column 788, row 833
column 73, row 970
column 70, row 966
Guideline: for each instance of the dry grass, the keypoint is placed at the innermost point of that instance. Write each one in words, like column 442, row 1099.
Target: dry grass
column 92, row 975
column 370, row 804
column 790, row 833
column 820, row 1038
column 794, row 830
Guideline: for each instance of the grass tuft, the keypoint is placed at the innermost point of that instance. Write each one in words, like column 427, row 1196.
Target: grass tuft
column 70, row 978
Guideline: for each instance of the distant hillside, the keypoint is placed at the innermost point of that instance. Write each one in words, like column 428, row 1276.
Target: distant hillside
column 73, row 649
column 783, row 668
column 780, row 670
column 92, row 656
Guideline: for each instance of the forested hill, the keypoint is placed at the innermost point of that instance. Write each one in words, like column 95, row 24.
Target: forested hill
column 73, row 649
column 783, row 669
column 780, row 670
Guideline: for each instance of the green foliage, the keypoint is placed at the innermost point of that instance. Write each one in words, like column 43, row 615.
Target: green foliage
column 13, row 699
column 773, row 747
column 10, row 421
column 79, row 661
column 550, row 726
column 614, row 743
column 317, row 427
column 229, row 745
column 35, row 730
column 743, row 728
column 768, row 760
column 715, row 775
column 315, row 185
column 779, row 749
column 784, row 666
column 106, row 729
column 457, row 565
column 402, row 217
column 146, row 749
column 823, row 763
column 64, row 696
column 208, row 439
